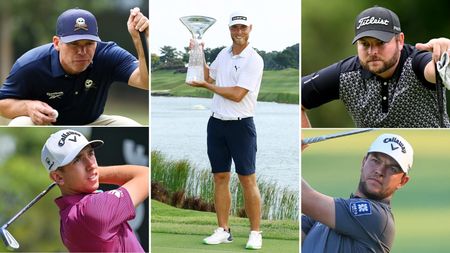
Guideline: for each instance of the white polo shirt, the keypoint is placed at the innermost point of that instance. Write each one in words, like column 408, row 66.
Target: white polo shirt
column 244, row 70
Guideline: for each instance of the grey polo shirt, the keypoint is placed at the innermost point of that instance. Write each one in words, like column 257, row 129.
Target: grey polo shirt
column 362, row 225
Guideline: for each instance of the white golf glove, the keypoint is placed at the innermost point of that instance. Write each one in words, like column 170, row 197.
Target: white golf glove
column 444, row 69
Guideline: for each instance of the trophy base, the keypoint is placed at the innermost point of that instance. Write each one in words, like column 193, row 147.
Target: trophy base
column 195, row 73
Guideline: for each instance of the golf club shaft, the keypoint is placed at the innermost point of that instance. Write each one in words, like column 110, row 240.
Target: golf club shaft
column 332, row 136
column 145, row 47
column 36, row 199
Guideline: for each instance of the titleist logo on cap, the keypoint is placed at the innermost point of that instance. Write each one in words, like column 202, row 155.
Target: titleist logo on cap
column 372, row 21
column 238, row 18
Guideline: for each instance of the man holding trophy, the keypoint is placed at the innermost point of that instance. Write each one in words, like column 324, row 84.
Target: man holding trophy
column 235, row 78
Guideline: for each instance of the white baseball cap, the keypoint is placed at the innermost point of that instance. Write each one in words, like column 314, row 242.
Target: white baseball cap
column 396, row 147
column 63, row 146
column 239, row 17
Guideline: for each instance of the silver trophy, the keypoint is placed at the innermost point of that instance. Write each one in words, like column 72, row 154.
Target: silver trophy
column 197, row 25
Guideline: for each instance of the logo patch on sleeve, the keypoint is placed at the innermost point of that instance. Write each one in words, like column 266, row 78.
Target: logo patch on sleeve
column 117, row 193
column 360, row 208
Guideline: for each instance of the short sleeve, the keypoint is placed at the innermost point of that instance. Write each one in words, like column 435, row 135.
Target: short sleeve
column 122, row 63
column 320, row 87
column 14, row 87
column 419, row 62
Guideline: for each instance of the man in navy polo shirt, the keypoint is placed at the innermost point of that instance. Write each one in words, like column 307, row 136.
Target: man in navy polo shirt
column 66, row 82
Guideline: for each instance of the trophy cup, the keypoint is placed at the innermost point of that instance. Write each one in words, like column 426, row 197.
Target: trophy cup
column 197, row 25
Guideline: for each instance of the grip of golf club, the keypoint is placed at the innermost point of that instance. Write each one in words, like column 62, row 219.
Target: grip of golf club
column 145, row 47
column 313, row 140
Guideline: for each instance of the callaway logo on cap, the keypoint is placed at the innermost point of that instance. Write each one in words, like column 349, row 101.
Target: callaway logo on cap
column 396, row 147
column 63, row 146
column 377, row 22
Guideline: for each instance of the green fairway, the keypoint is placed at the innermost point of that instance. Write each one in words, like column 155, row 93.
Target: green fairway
column 178, row 230
column 421, row 208
column 277, row 86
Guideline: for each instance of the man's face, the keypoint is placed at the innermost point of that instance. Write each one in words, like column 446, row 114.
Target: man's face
column 81, row 174
column 240, row 34
column 76, row 56
column 381, row 176
column 380, row 57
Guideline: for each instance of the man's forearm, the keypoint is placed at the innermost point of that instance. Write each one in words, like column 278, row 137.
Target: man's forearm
column 133, row 178
column 11, row 108
column 305, row 119
column 143, row 78
column 234, row 93
column 120, row 174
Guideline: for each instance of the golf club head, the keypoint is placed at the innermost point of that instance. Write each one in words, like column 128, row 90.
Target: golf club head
column 8, row 239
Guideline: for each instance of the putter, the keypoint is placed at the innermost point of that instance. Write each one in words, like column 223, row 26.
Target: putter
column 7, row 238
column 332, row 136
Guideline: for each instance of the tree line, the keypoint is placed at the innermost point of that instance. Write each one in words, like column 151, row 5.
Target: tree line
column 173, row 59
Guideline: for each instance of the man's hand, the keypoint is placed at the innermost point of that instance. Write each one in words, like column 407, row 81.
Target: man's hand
column 41, row 113
column 192, row 44
column 436, row 46
column 137, row 22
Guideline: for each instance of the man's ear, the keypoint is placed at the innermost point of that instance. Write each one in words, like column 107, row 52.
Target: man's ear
column 57, row 177
column 56, row 41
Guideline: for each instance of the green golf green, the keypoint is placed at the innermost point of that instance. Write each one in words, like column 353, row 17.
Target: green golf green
column 177, row 230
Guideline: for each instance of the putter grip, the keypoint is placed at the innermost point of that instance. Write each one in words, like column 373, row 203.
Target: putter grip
column 144, row 46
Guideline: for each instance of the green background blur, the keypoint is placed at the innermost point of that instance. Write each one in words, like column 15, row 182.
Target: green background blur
column 421, row 208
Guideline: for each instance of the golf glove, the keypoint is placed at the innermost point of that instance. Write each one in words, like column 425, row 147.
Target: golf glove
column 444, row 69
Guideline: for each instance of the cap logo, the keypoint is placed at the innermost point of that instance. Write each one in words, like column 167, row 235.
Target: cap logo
column 80, row 24
column 371, row 21
column 395, row 140
column 66, row 135
column 50, row 163
column 89, row 84
column 238, row 18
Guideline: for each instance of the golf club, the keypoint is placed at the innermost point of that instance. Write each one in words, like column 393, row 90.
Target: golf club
column 332, row 136
column 7, row 238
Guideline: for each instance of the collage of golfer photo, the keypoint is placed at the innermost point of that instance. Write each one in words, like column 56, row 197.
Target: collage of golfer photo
column 199, row 126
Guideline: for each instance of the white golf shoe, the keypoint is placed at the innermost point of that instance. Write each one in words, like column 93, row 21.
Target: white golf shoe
column 219, row 236
column 254, row 240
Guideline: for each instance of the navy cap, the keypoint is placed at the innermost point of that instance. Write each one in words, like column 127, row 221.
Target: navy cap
column 77, row 24
column 377, row 22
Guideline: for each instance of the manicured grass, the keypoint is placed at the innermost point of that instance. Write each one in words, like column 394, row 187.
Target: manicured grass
column 277, row 86
column 421, row 208
column 178, row 230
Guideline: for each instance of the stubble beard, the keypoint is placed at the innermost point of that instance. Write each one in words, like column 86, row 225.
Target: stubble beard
column 364, row 189
column 385, row 66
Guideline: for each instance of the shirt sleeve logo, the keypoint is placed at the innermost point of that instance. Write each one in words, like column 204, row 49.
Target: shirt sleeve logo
column 360, row 208
column 117, row 193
